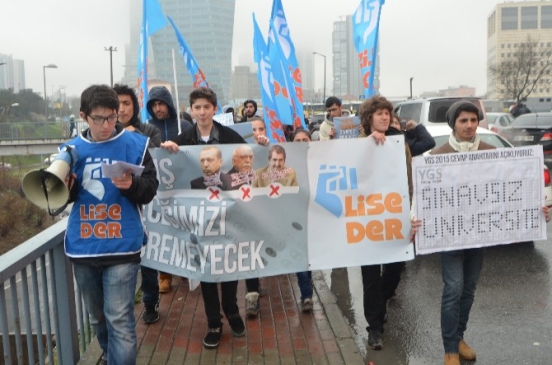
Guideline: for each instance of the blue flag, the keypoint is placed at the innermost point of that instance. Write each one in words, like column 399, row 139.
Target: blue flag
column 280, row 81
column 283, row 39
column 152, row 21
column 366, row 34
column 265, row 76
column 198, row 77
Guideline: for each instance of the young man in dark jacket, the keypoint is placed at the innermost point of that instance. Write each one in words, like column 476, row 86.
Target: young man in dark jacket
column 129, row 115
column 164, row 117
column 203, row 102
column 129, row 109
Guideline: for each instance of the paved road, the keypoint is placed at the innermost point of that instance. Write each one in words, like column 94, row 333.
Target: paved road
column 511, row 320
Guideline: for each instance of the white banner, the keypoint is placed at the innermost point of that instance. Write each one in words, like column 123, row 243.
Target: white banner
column 325, row 207
column 477, row 199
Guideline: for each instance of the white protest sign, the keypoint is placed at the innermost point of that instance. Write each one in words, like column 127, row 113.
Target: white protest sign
column 224, row 119
column 477, row 199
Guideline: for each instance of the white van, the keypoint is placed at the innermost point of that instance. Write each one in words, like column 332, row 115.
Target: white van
column 432, row 111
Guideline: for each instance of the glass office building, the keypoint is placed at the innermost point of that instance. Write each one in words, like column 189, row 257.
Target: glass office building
column 207, row 26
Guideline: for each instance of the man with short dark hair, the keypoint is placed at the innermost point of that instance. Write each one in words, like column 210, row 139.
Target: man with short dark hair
column 129, row 109
column 106, row 260
column 206, row 131
column 333, row 110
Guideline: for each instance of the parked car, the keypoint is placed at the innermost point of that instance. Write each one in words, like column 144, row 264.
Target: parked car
column 441, row 135
column 499, row 121
column 432, row 111
column 532, row 129
column 314, row 125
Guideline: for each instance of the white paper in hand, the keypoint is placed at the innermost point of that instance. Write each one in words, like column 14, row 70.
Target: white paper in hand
column 118, row 168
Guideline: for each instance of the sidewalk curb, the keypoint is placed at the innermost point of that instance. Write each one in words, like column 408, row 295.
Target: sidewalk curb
column 349, row 350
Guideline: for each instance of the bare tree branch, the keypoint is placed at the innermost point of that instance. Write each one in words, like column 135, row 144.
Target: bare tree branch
column 519, row 75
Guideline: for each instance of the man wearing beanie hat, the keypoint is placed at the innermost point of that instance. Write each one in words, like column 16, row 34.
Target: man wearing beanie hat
column 460, row 269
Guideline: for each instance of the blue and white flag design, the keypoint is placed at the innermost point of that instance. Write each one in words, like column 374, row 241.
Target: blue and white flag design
column 152, row 21
column 266, row 83
column 198, row 77
column 283, row 37
column 366, row 34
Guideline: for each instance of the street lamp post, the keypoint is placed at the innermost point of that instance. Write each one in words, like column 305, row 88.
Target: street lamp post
column 411, row 87
column 111, row 49
column 320, row 54
column 45, row 98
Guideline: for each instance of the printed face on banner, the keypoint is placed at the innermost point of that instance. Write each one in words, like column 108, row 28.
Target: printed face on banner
column 210, row 160
column 277, row 161
column 242, row 159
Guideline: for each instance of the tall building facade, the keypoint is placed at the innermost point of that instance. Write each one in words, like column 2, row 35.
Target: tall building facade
column 207, row 26
column 245, row 85
column 508, row 26
column 347, row 81
column 12, row 73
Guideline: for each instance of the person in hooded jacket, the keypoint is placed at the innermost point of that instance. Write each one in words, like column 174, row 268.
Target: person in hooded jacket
column 129, row 110
column 380, row 281
column 163, row 114
column 164, row 117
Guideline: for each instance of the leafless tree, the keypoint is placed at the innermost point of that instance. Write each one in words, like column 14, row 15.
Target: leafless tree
column 520, row 74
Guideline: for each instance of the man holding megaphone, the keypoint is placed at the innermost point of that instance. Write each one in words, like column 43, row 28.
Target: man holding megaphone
column 105, row 233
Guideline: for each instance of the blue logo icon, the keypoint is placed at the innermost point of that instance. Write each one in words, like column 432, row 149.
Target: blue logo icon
column 330, row 180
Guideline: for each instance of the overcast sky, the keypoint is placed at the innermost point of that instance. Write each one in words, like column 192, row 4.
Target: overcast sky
column 440, row 43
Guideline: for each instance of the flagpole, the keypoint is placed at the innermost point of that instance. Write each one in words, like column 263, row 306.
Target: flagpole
column 176, row 92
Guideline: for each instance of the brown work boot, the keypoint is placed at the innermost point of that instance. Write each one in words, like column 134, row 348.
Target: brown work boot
column 165, row 281
column 452, row 359
column 465, row 351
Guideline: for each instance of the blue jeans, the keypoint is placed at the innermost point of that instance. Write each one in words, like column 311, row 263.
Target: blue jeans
column 305, row 284
column 460, row 271
column 150, row 286
column 108, row 293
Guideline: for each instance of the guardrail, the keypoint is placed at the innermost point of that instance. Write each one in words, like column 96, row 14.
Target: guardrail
column 44, row 322
column 29, row 130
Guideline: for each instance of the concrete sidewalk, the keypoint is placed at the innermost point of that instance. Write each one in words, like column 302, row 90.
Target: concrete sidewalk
column 281, row 334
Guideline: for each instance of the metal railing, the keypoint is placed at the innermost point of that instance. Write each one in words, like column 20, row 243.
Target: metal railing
column 42, row 322
column 30, row 131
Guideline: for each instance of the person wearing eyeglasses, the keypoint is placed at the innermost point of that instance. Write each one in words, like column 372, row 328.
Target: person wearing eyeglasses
column 333, row 110
column 105, row 233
